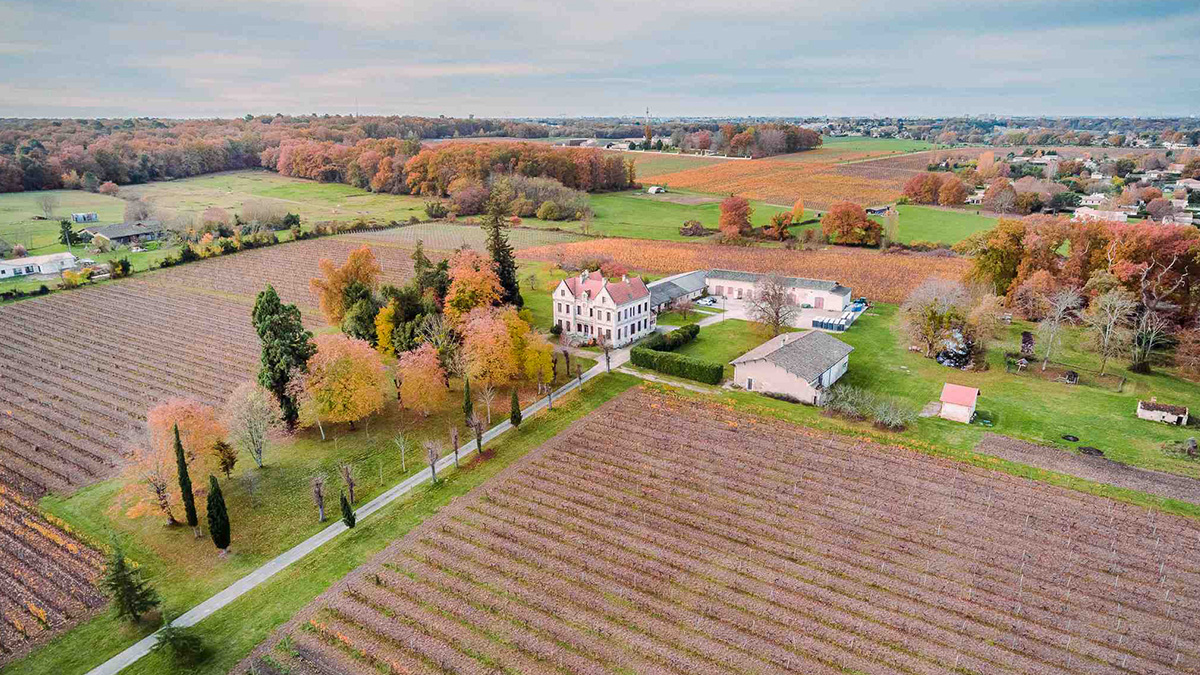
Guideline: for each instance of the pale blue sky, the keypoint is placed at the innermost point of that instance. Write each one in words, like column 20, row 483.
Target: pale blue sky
column 181, row 58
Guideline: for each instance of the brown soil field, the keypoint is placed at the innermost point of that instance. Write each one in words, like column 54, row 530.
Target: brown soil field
column 879, row 277
column 663, row 535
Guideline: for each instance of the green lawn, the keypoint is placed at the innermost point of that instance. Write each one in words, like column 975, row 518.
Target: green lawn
column 882, row 145
column 676, row 319
column 942, row 226
column 17, row 211
column 235, row 630
column 724, row 341
column 654, row 164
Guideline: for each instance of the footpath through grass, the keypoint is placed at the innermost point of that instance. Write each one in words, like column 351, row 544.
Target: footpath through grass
column 235, row 630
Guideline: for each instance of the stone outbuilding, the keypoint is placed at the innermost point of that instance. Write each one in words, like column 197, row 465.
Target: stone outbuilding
column 800, row 365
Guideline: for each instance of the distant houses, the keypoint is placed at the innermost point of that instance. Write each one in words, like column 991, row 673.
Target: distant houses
column 1093, row 200
column 122, row 234
column 815, row 293
column 1086, row 214
column 53, row 263
column 85, row 217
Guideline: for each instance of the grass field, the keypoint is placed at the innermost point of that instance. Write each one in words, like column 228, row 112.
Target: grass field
column 234, row 631
column 654, row 163
column 724, row 341
column 945, row 226
column 17, row 211
column 843, row 149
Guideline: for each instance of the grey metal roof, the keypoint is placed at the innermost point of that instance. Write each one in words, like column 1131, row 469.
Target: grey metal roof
column 122, row 230
column 806, row 355
column 791, row 282
column 661, row 294
column 667, row 289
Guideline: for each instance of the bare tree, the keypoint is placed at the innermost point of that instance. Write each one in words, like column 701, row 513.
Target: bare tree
column 1158, row 281
column 251, row 413
column 772, row 304
column 454, row 442
column 932, row 310
column 476, row 423
column 433, row 450
column 1108, row 321
column 137, row 210
column 401, row 442
column 566, row 353
column 1062, row 307
column 683, row 306
column 318, row 494
column 346, row 470
column 606, row 347
column 1149, row 333
column 553, row 371
column 48, row 201
column 488, row 394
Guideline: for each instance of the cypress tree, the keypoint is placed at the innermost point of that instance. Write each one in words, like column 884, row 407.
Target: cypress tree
column 501, row 251
column 185, row 485
column 286, row 347
column 131, row 594
column 468, row 405
column 347, row 512
column 218, row 517
column 514, row 416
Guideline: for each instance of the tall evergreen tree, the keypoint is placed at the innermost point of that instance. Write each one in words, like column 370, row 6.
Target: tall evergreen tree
column 286, row 346
column 131, row 594
column 348, row 516
column 218, row 517
column 502, row 251
column 421, row 266
column 185, row 485
column 468, row 404
column 514, row 415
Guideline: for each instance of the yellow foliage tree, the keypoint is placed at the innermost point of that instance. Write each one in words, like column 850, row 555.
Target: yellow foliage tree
column 385, row 324
column 422, row 380
column 344, row 383
column 153, row 465
column 798, row 211
column 360, row 266
column 473, row 284
column 539, row 359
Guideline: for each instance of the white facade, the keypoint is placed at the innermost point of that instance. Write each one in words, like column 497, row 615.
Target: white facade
column 957, row 413
column 1084, row 213
column 1150, row 411
column 765, row 376
column 593, row 308
column 818, row 294
column 53, row 263
column 1094, row 199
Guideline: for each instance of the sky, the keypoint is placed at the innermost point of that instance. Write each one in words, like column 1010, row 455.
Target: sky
column 519, row 58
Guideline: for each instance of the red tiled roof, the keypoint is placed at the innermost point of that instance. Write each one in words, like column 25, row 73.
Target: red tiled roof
column 621, row 291
column 959, row 395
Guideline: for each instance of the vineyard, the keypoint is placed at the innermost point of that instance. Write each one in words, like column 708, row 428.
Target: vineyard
column 452, row 236
column 882, row 278
column 661, row 536
column 81, row 371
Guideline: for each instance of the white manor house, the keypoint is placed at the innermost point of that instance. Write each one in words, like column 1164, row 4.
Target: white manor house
column 594, row 307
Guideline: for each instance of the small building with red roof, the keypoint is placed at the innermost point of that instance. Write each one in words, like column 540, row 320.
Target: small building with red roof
column 595, row 308
column 958, row 403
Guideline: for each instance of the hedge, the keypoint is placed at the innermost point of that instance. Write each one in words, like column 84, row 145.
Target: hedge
column 673, row 340
column 669, row 363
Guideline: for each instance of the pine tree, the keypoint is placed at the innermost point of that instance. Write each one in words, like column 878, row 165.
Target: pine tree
column 502, row 251
column 421, row 266
column 348, row 512
column 185, row 485
column 286, row 347
column 468, row 405
column 218, row 517
column 131, row 594
column 515, row 415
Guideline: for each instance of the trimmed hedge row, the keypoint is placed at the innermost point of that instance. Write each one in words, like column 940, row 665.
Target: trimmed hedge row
column 673, row 340
column 678, row 365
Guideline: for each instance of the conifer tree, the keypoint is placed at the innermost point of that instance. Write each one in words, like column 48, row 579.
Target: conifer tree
column 348, row 516
column 501, row 251
column 514, row 416
column 286, row 348
column 468, row 405
column 421, row 266
column 131, row 594
column 185, row 486
column 218, row 517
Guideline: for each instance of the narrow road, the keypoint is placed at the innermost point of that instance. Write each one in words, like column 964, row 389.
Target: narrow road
column 254, row 579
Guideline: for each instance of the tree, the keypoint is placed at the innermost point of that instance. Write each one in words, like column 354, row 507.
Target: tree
column 494, row 341
column 361, row 266
column 473, row 284
column 65, row 236
column 131, row 595
column 107, row 188
column 476, row 424
column 1150, row 331
column 996, row 254
column 225, row 456
column 422, row 379
column 286, row 348
column 468, row 406
column 683, row 306
column 606, row 348
column 847, row 223
column 952, row 192
column 346, row 471
column 185, row 486
column 1000, row 196
column 359, row 320
column 504, row 262
column 1061, row 307
column 514, row 410
column 317, row 484
column 47, row 202
column 218, row 517
column 184, row 643
column 1187, row 353
column 932, row 310
column 1107, row 319
column 385, row 325
column 735, row 215
column 798, row 211
column 251, row 414
column 539, row 360
column 154, row 466
column 137, row 210
column 344, row 383
column 779, row 224
column 1159, row 208
column 433, row 451
column 348, row 516
column 772, row 304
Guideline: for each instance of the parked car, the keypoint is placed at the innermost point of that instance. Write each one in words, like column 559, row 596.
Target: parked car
column 707, row 302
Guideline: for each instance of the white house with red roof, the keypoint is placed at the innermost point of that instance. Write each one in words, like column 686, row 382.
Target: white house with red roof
column 593, row 307
column 958, row 403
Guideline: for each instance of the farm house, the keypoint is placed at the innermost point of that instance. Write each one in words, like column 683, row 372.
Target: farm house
column 802, row 366
column 53, row 263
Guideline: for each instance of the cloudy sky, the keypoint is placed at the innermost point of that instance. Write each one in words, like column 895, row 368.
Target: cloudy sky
column 516, row 58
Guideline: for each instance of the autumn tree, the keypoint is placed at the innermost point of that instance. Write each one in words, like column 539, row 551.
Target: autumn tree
column 1000, row 196
column 1187, row 353
column 344, row 383
column 798, row 211
column 503, row 261
column 422, row 379
column 225, row 457
column 779, row 224
column 1159, row 208
column 735, row 216
column 494, row 341
column 286, row 348
column 251, row 414
column 1107, row 319
column 473, row 284
column 772, row 304
column 923, row 188
column 539, row 360
column 996, row 254
column 847, row 223
column 932, row 310
column 952, row 192
column 361, row 266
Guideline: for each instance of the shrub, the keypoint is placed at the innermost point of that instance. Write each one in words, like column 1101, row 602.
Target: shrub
column 120, row 268
column 679, row 337
column 677, row 365
column 522, row 207
column 436, row 210
column 469, row 200
column 549, row 211
column 849, row 401
column 556, row 330
column 892, row 415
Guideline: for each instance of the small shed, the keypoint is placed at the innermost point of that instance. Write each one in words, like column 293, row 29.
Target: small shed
column 1162, row 412
column 85, row 217
column 958, row 403
column 656, row 189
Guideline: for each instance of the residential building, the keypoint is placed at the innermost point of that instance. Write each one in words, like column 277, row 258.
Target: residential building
column 976, row 197
column 122, row 234
column 1084, row 213
column 815, row 293
column 1188, row 183
column 800, row 365
column 53, row 263
column 593, row 307
column 85, row 217
column 666, row 291
column 958, row 403
column 1093, row 200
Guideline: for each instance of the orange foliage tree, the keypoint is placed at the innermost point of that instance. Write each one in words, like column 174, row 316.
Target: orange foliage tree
column 153, row 465
column 847, row 223
column 494, row 341
column 798, row 211
column 361, row 266
column 778, row 227
column 344, row 383
column 422, row 379
column 473, row 283
column 952, row 192
column 735, row 216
